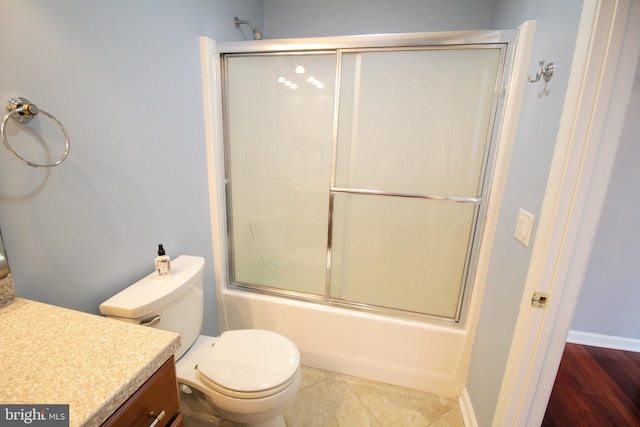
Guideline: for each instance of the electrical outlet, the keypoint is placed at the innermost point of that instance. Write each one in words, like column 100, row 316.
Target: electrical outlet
column 524, row 227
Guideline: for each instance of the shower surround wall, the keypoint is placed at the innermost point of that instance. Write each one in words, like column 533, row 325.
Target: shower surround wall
column 412, row 353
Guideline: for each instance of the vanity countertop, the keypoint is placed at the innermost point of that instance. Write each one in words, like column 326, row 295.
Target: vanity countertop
column 53, row 355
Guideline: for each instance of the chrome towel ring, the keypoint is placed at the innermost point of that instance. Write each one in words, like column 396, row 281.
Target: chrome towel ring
column 23, row 111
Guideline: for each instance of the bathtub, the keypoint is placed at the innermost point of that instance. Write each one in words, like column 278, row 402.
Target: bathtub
column 403, row 352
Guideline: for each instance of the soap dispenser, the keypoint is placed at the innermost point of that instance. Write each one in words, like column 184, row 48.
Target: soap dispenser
column 163, row 263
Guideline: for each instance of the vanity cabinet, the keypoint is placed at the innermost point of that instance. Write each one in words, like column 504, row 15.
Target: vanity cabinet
column 146, row 406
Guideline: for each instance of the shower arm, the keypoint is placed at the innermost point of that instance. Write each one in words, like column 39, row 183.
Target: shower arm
column 257, row 35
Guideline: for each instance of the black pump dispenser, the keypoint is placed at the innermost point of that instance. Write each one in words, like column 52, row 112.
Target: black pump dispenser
column 160, row 250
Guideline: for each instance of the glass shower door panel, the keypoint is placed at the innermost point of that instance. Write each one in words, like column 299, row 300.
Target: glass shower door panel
column 400, row 253
column 415, row 121
column 279, row 156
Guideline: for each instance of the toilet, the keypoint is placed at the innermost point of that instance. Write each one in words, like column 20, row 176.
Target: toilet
column 245, row 377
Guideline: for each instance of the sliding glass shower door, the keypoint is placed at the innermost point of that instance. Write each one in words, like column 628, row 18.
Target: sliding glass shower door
column 358, row 177
column 278, row 168
column 411, row 148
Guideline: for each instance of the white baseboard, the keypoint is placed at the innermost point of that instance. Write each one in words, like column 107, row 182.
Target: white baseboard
column 607, row 341
column 466, row 407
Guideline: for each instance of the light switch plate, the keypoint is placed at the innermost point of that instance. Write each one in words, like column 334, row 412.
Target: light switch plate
column 524, row 227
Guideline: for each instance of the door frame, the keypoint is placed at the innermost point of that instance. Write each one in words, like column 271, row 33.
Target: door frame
column 592, row 120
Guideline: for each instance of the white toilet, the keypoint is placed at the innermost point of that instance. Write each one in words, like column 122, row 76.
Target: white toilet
column 242, row 378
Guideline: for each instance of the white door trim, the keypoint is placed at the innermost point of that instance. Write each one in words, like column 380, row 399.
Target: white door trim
column 586, row 145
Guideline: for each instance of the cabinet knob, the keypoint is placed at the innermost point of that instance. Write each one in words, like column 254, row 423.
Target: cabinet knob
column 156, row 418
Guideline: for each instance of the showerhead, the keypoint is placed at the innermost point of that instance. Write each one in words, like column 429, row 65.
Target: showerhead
column 257, row 35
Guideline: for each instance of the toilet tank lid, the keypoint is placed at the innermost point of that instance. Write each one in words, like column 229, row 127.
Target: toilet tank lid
column 152, row 292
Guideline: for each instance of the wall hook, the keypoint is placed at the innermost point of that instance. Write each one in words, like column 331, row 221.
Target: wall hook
column 544, row 71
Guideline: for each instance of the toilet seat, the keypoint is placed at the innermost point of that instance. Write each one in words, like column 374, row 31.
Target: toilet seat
column 249, row 364
column 247, row 395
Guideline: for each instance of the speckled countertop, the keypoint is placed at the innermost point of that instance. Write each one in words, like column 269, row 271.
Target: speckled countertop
column 52, row 355
column 7, row 290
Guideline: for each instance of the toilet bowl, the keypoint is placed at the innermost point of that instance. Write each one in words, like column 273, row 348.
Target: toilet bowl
column 228, row 377
column 243, row 377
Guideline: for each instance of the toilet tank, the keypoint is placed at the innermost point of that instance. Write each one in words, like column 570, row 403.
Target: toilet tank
column 173, row 303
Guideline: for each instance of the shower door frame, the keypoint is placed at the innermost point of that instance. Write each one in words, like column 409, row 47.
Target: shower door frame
column 502, row 39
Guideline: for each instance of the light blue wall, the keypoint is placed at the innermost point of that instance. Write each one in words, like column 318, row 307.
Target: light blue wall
column 124, row 79
column 608, row 302
column 608, row 299
column 556, row 30
column 310, row 18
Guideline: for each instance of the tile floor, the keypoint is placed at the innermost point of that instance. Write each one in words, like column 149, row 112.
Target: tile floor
column 327, row 399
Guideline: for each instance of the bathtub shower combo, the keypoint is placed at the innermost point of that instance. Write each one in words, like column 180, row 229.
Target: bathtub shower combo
column 350, row 185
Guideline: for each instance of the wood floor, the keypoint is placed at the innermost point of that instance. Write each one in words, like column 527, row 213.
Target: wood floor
column 595, row 387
